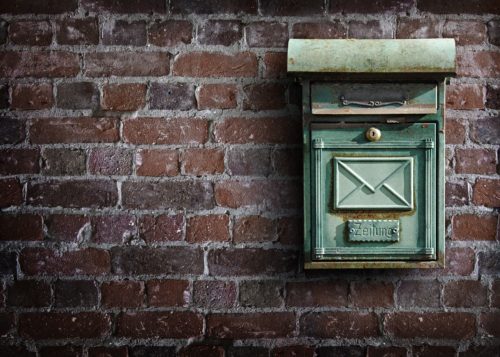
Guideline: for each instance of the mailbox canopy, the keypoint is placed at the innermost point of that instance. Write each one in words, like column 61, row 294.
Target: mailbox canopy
column 435, row 57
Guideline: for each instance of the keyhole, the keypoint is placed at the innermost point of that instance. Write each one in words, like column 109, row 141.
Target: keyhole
column 373, row 134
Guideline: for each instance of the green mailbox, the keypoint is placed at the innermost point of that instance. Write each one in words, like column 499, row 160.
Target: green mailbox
column 374, row 150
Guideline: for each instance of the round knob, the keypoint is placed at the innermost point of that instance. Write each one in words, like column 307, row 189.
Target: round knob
column 373, row 134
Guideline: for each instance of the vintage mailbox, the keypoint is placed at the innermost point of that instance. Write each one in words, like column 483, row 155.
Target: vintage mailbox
column 373, row 136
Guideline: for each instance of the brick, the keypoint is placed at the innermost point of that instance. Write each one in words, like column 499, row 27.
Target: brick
column 254, row 229
column 63, row 162
column 168, row 293
column 168, row 194
column 472, row 227
column 38, row 7
column 17, row 351
column 139, row 261
column 466, row 293
column 214, row 7
column 362, row 7
column 11, row 131
column 31, row 33
column 61, row 351
column 436, row 325
column 488, row 321
column 214, row 294
column 153, row 351
column 475, row 161
column 119, row 228
column 371, row 29
column 77, row 95
column 175, row 96
column 199, row 350
column 3, row 31
column 373, row 351
column 417, row 28
column 77, row 31
column 250, row 325
column 317, row 293
column 215, row 64
column 459, row 6
column 71, row 228
column 290, row 230
column 333, row 325
column 108, row 351
column 319, row 30
column 122, row 293
column 151, row 162
column 370, row 294
column 251, row 261
column 455, row 131
column 32, row 96
column 110, row 161
column 287, row 162
column 203, row 161
column 494, row 32
column 19, row 161
column 275, row 65
column 486, row 131
column 261, row 194
column 266, row 34
column 465, row 96
column 217, row 96
column 8, row 263
column 105, row 64
column 261, row 293
column 74, row 130
column 459, row 261
column 75, row 293
column 124, row 33
column 249, row 161
column 10, row 193
column 492, row 96
column 124, row 7
column 478, row 64
column 341, row 351
column 162, row 228
column 419, row 293
column 43, row 261
column 210, row 228
column 303, row 351
column 486, row 193
column 39, row 64
column 22, row 227
column 292, row 8
column 124, row 97
column 495, row 293
column 450, row 153
column 264, row 96
column 54, row 325
column 28, row 293
column 480, row 351
column 73, row 194
column 247, row 351
column 489, row 262
column 170, row 33
column 7, row 323
column 465, row 32
column 220, row 32
column 434, row 351
column 153, row 324
column 165, row 132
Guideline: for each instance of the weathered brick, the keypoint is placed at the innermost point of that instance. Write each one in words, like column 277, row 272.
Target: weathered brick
column 264, row 96
column 215, row 64
column 489, row 262
column 156, row 162
column 494, row 32
column 466, row 293
column 220, row 32
column 455, row 131
column 7, row 324
column 8, row 263
column 15, row 351
column 363, row 7
column 75, row 293
column 459, row 6
column 304, row 351
column 25, row 227
column 370, row 29
column 32, row 33
column 475, row 161
column 214, row 7
column 122, row 293
column 213, row 294
column 449, row 156
column 43, row 261
column 254, row 229
column 153, row 324
column 124, row 7
column 165, row 132
column 275, row 65
column 489, row 323
column 32, row 96
column 110, row 161
column 74, row 130
column 486, row 192
column 465, row 96
column 333, row 325
column 118, row 228
column 138, row 261
column 317, row 293
column 153, row 351
column 434, row 351
column 170, row 33
column 287, row 162
column 64, row 227
column 417, row 28
column 292, row 8
column 210, row 228
column 251, row 261
column 72, row 31
column 465, row 32
column 495, row 293
column 492, row 96
column 341, row 351
column 168, row 293
column 61, row 351
column 10, row 193
column 290, row 230
column 162, row 228
column 124, row 96
column 81, row 193
column 373, row 351
column 369, row 294
column 121, row 351
column 478, row 64
column 203, row 161
column 486, row 131
column 249, row 162
column 28, row 293
column 124, row 33
column 416, row 293
column 11, row 131
column 480, row 351
column 319, row 30
column 472, row 227
column 3, row 31
column 247, row 351
column 77, row 95
column 217, row 96
column 105, row 64
column 38, row 7
column 261, row 293
column 201, row 350
column 62, row 162
column 19, row 161
column 54, row 325
column 178, row 96
column 250, row 325
column 266, row 34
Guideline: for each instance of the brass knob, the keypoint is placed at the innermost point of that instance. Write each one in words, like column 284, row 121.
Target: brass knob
column 373, row 134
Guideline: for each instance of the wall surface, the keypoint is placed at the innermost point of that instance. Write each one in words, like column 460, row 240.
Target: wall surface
column 151, row 184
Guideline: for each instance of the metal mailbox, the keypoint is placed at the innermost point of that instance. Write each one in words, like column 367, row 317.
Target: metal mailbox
column 373, row 139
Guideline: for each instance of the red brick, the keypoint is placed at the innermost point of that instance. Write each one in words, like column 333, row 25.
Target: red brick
column 28, row 293
column 39, row 64
column 266, row 34
column 486, row 193
column 489, row 323
column 122, row 293
column 287, row 162
column 81, row 193
column 472, row 227
column 203, row 161
column 8, row 263
column 198, row 350
column 19, row 161
column 291, row 351
column 32, row 33
column 475, row 161
column 214, row 7
column 341, row 351
column 25, row 227
column 386, row 351
column 151, row 162
column 466, row 293
column 32, row 96
column 319, row 30
column 290, row 230
column 170, row 33
column 275, row 65
column 162, row 228
column 64, row 162
column 7, row 323
column 175, row 96
column 220, row 32
column 61, row 351
column 76, row 293
column 261, row 293
column 455, row 131
column 152, row 324
column 113, row 228
column 217, row 96
column 10, row 193
column 124, row 7
column 214, row 294
column 124, row 33
column 211, row 228
column 478, row 64
column 264, row 96
column 11, row 131
column 215, row 64
column 43, row 261
column 110, row 161
column 370, row 294
column 317, row 293
column 436, row 325
column 54, row 325
column 108, row 351
column 74, row 130
column 251, row 261
column 493, row 96
column 339, row 325
column 249, row 161
column 254, row 229
column 459, row 261
column 168, row 293
column 489, row 262
column 363, row 7
column 459, row 6
column 417, row 28
column 494, row 32
column 77, row 95
column 64, row 227
column 486, row 131
column 124, row 97
column 105, row 64
column 419, row 293
column 77, row 31
column 165, row 132
column 465, row 32
column 250, row 325
column 370, row 29
column 434, row 351
column 465, row 96
column 38, row 7
column 495, row 294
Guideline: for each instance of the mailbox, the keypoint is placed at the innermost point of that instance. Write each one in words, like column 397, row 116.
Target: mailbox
column 374, row 155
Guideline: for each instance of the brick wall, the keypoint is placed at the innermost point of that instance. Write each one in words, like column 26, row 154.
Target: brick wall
column 150, row 191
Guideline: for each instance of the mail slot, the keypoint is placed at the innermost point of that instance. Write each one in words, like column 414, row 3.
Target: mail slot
column 373, row 145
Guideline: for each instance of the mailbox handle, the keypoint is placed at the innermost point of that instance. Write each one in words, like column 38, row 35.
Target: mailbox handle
column 370, row 103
